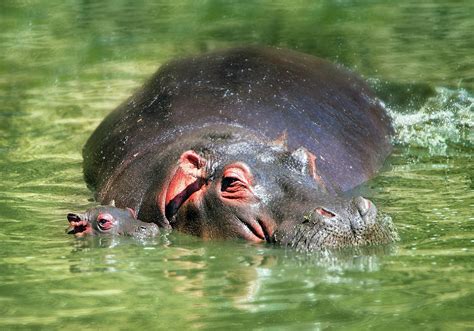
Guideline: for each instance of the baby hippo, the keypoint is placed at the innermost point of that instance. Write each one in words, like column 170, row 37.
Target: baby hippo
column 109, row 220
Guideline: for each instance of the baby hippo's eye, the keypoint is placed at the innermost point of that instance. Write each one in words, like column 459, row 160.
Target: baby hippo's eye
column 105, row 221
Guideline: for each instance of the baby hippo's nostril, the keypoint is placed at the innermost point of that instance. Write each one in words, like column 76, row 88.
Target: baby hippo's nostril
column 73, row 217
column 363, row 205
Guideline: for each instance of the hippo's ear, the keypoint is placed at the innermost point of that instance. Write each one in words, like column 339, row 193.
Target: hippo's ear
column 281, row 141
column 132, row 212
column 191, row 161
column 188, row 178
column 307, row 163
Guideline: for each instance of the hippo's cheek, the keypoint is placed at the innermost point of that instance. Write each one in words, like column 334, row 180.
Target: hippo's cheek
column 236, row 191
column 258, row 229
column 247, row 226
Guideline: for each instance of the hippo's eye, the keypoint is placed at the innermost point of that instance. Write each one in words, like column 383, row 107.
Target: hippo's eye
column 235, row 189
column 105, row 221
column 236, row 182
column 228, row 182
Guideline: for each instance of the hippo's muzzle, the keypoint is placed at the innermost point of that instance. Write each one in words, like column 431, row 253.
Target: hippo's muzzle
column 358, row 224
column 78, row 225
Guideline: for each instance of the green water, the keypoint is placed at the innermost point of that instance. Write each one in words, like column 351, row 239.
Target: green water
column 65, row 64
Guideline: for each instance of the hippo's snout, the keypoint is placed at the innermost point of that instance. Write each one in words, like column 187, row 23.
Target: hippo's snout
column 73, row 217
column 364, row 206
column 78, row 225
column 353, row 210
column 353, row 222
column 363, row 217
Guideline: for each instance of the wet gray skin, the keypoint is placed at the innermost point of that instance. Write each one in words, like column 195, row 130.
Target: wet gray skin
column 109, row 220
column 253, row 143
column 281, row 204
column 356, row 223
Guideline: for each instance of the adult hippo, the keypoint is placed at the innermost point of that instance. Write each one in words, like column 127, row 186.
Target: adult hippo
column 254, row 143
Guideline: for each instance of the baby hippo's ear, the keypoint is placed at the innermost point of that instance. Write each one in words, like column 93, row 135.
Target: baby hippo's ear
column 132, row 212
column 112, row 203
column 306, row 163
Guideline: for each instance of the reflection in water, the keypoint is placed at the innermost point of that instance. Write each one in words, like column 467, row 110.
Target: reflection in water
column 199, row 270
column 106, row 262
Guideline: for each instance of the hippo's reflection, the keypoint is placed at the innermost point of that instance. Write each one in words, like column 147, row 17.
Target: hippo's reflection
column 241, row 274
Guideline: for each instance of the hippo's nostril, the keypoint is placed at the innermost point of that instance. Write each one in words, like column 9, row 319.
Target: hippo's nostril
column 363, row 205
column 73, row 217
column 324, row 212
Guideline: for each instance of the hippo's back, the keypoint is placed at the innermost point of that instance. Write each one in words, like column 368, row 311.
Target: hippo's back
column 318, row 105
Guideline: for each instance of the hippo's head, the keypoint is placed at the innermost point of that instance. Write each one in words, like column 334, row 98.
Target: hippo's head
column 263, row 192
column 109, row 220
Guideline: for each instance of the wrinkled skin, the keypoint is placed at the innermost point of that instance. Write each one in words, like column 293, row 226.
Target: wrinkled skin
column 109, row 220
column 358, row 225
column 252, row 143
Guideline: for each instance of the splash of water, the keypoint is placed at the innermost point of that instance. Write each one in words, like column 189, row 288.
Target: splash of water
column 443, row 120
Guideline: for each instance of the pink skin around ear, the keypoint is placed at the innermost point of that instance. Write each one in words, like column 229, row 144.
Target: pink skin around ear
column 186, row 181
column 313, row 169
column 133, row 212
